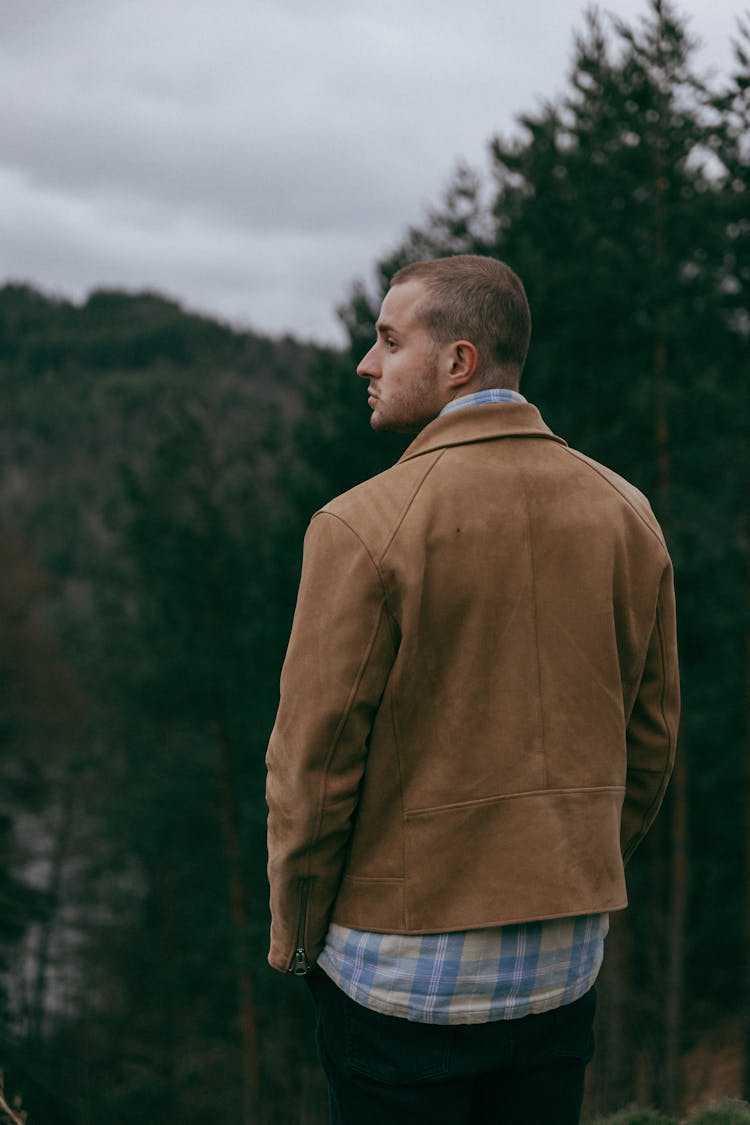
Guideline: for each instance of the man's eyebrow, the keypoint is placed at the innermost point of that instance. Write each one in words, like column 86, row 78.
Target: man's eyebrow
column 383, row 329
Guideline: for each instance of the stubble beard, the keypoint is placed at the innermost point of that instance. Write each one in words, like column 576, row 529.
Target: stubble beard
column 413, row 409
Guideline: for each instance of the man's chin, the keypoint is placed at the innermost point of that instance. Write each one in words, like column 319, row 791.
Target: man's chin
column 379, row 424
column 387, row 425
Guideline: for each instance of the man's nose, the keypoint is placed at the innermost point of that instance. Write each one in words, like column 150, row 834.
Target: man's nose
column 367, row 367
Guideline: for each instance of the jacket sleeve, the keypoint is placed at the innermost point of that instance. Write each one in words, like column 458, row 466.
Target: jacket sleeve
column 652, row 727
column 340, row 653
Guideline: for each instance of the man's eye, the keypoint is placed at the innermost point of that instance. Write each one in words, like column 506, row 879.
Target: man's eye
column 390, row 344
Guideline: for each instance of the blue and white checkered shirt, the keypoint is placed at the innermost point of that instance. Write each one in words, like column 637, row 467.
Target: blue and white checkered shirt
column 479, row 398
column 472, row 976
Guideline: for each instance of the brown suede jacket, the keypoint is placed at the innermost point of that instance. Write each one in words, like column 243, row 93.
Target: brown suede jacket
column 479, row 702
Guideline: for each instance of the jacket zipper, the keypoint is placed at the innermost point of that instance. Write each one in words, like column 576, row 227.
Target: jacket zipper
column 300, row 965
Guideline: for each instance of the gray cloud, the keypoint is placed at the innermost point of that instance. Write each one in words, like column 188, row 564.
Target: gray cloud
column 254, row 158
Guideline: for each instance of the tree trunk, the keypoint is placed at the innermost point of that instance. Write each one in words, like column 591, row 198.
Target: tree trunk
column 678, row 864
column 610, row 1077
column 746, row 983
column 676, row 941
column 239, row 916
column 59, row 853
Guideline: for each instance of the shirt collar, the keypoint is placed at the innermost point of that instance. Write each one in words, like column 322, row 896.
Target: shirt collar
column 479, row 398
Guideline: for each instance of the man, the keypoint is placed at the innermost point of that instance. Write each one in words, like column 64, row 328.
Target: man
column 477, row 724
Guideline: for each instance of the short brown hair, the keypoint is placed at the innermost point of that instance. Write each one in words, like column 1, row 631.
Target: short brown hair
column 478, row 299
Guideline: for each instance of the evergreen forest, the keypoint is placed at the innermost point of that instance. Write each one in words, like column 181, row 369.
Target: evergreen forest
column 157, row 472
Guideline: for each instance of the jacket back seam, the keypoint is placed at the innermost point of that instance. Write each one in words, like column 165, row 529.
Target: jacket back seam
column 532, row 575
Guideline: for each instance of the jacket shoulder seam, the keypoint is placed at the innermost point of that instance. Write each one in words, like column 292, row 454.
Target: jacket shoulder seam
column 327, row 511
column 437, row 456
column 368, row 552
column 584, row 460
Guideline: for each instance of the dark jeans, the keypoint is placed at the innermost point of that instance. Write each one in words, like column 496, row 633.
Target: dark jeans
column 383, row 1070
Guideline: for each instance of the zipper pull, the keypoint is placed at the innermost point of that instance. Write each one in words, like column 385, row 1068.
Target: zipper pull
column 300, row 964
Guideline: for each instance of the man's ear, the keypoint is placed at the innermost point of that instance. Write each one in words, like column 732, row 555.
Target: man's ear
column 462, row 362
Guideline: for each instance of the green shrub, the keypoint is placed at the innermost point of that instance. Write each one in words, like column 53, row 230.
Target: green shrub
column 727, row 1112
column 635, row 1116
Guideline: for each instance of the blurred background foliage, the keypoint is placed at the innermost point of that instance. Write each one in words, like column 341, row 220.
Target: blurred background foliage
column 157, row 472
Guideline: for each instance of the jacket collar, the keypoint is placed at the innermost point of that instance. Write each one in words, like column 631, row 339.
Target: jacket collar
column 480, row 423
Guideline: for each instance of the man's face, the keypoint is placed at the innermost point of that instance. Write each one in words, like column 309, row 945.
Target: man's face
column 403, row 365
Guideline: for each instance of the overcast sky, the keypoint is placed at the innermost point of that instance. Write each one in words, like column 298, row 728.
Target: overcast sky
column 252, row 158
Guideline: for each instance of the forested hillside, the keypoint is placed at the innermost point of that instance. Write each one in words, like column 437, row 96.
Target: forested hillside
column 157, row 471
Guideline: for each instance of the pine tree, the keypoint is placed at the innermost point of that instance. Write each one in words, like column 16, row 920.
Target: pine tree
column 731, row 143
column 198, row 647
